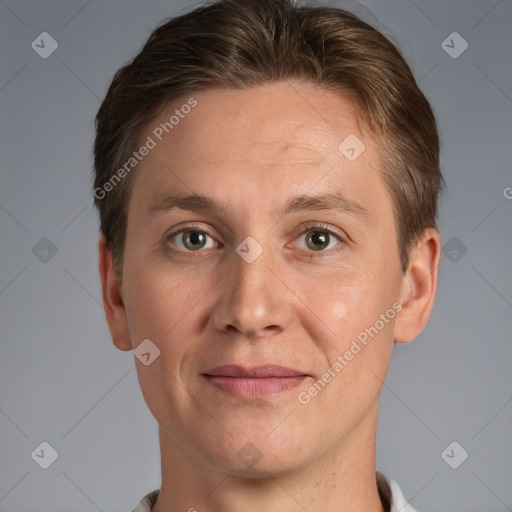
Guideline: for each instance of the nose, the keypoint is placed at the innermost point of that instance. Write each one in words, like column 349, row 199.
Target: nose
column 253, row 302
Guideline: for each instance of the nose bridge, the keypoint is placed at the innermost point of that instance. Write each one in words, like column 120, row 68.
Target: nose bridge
column 253, row 302
column 252, row 276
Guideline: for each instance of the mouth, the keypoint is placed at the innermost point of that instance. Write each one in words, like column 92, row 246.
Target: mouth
column 254, row 383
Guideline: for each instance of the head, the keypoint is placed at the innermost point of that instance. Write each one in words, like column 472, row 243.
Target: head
column 302, row 128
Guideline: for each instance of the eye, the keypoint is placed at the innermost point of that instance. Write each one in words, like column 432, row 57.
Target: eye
column 192, row 240
column 318, row 240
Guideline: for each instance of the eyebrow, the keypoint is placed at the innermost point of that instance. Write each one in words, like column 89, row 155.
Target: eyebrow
column 333, row 202
column 199, row 203
column 192, row 202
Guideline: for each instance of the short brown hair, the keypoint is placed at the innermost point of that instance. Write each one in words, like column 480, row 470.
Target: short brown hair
column 246, row 43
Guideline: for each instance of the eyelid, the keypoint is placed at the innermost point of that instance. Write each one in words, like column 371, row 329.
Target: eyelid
column 320, row 226
column 188, row 227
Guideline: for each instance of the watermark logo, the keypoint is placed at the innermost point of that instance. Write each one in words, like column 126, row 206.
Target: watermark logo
column 44, row 455
column 454, row 455
column 351, row 147
column 454, row 45
column 249, row 249
column 249, row 455
column 44, row 250
column 146, row 352
column 342, row 361
column 455, row 249
column 157, row 135
column 179, row 114
column 44, row 45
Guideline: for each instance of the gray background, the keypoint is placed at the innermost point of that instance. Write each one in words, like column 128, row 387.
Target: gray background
column 63, row 382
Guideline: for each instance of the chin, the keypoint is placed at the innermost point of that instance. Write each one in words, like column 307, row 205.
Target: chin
column 258, row 456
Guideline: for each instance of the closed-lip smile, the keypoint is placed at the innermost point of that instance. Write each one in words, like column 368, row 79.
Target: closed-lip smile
column 255, row 382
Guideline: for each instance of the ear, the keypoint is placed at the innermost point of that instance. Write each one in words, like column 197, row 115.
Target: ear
column 418, row 288
column 113, row 305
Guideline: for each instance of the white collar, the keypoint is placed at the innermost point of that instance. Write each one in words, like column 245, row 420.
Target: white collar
column 389, row 491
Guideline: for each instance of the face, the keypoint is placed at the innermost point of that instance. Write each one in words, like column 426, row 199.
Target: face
column 257, row 253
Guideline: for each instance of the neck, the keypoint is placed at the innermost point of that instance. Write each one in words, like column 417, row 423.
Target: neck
column 342, row 480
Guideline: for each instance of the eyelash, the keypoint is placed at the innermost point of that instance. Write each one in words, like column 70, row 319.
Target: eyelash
column 323, row 228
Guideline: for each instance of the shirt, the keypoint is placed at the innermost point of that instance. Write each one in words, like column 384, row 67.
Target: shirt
column 389, row 491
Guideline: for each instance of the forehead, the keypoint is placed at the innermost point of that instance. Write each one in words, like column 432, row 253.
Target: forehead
column 279, row 139
column 242, row 123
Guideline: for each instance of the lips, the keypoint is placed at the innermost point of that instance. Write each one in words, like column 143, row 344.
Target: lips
column 256, row 382
column 265, row 371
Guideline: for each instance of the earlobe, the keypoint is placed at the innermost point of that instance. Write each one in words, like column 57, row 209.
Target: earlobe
column 113, row 304
column 419, row 285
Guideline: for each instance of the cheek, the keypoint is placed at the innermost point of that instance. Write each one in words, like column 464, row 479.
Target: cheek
column 164, row 309
column 157, row 302
column 348, row 307
column 359, row 343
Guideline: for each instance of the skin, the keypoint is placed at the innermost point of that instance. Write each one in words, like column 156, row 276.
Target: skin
column 297, row 306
